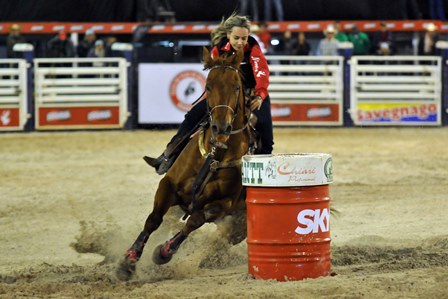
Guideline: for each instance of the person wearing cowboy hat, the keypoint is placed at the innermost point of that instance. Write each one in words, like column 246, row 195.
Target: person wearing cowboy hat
column 13, row 38
column 328, row 46
column 427, row 44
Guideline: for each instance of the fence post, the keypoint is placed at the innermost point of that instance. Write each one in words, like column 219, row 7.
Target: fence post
column 345, row 49
column 27, row 52
column 127, row 50
column 443, row 47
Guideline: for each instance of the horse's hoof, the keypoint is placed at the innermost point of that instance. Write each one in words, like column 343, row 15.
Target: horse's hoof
column 158, row 258
column 125, row 270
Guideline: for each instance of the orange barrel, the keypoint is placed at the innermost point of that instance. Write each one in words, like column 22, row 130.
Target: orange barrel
column 288, row 215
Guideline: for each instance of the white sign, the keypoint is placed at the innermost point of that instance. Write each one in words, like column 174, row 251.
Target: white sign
column 167, row 90
column 287, row 170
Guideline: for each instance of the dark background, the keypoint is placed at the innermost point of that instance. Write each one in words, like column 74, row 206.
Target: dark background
column 206, row 10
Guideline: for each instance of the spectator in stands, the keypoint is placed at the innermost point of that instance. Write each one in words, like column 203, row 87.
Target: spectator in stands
column 285, row 45
column 61, row 46
column 302, row 47
column 86, row 44
column 99, row 50
column 265, row 36
column 110, row 40
column 340, row 35
column 244, row 4
column 328, row 46
column 383, row 41
column 427, row 44
column 278, row 6
column 360, row 41
column 436, row 10
column 13, row 38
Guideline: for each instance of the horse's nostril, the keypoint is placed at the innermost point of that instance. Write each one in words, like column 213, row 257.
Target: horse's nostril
column 228, row 130
column 215, row 129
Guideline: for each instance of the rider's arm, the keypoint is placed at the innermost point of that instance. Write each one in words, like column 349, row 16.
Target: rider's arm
column 261, row 71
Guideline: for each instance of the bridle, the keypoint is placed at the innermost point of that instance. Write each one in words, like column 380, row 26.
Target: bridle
column 234, row 111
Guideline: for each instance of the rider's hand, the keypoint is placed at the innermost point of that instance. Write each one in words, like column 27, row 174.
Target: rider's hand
column 255, row 103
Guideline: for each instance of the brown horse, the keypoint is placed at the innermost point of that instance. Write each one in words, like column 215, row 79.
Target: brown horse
column 205, row 180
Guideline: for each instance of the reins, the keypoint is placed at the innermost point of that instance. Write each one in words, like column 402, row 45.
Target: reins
column 211, row 165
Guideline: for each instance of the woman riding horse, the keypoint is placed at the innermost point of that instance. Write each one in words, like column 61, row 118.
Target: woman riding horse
column 232, row 35
column 206, row 179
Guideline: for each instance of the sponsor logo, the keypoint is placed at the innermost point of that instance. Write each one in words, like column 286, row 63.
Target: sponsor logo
column 256, row 60
column 281, row 112
column 297, row 174
column 58, row 115
column 5, row 118
column 318, row 112
column 251, row 172
column 117, row 27
column 99, row 115
column 270, row 170
column 311, row 221
column 186, row 88
column 37, row 28
column 400, row 113
column 328, row 169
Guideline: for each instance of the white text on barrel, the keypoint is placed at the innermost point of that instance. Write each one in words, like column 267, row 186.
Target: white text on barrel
column 313, row 220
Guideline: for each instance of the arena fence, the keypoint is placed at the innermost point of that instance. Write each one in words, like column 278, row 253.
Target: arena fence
column 83, row 93
column 75, row 93
column 306, row 90
column 14, row 112
column 396, row 90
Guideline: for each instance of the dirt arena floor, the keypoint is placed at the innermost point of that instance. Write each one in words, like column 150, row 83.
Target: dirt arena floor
column 71, row 203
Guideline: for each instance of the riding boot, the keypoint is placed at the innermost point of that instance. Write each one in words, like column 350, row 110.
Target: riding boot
column 194, row 119
column 162, row 163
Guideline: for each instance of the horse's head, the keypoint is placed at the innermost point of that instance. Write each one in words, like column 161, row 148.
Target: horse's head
column 224, row 93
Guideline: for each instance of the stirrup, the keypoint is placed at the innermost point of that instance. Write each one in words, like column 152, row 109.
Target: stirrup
column 161, row 163
column 165, row 165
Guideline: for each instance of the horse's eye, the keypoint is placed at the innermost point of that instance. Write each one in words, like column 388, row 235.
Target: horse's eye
column 208, row 88
column 237, row 89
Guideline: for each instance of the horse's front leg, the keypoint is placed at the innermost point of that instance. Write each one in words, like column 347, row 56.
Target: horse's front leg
column 162, row 202
column 163, row 253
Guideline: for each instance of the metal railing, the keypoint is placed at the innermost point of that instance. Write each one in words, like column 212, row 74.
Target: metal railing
column 13, row 94
column 306, row 90
column 404, row 90
column 69, row 83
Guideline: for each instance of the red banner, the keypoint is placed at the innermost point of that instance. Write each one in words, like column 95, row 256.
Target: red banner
column 9, row 118
column 205, row 28
column 308, row 113
column 78, row 116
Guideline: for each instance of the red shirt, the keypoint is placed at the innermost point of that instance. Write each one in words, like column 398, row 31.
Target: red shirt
column 254, row 65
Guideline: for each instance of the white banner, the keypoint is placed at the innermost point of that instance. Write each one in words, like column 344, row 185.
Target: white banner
column 287, row 170
column 167, row 90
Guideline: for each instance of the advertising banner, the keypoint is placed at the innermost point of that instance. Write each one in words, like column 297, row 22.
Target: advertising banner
column 402, row 113
column 167, row 90
column 287, row 113
column 9, row 118
column 287, row 170
column 77, row 117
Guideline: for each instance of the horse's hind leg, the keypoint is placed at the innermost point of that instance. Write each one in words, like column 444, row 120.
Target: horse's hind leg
column 161, row 205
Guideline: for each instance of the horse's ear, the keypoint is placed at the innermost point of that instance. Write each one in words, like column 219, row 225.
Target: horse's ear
column 206, row 57
column 238, row 58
